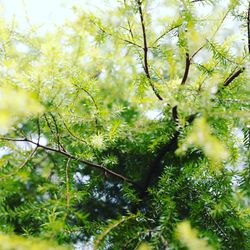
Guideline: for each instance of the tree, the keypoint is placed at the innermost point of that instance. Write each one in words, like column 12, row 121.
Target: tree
column 129, row 126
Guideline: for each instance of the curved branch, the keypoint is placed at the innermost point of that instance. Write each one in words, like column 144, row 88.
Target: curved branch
column 70, row 156
column 145, row 50
column 164, row 34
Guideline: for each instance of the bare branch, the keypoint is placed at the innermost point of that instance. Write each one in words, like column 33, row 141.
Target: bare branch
column 22, row 165
column 199, row 1
column 164, row 34
column 130, row 30
column 185, row 76
column 73, row 135
column 233, row 76
column 38, row 130
column 28, row 159
column 92, row 99
column 88, row 93
column 86, row 162
column 112, row 35
column 215, row 32
column 175, row 113
column 145, row 49
column 57, row 132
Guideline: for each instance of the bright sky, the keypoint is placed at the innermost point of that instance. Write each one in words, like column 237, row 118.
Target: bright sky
column 45, row 12
column 48, row 13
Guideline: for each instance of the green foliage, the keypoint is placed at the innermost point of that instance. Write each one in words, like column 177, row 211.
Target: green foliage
column 201, row 136
column 122, row 129
column 19, row 243
column 189, row 237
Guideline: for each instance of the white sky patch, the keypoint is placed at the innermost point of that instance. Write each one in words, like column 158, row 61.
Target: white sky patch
column 27, row 146
column 4, row 151
column 20, row 47
column 154, row 114
column 48, row 13
column 79, row 178
column 85, row 246
column 239, row 137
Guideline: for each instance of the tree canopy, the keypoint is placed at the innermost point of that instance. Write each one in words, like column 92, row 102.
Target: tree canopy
column 128, row 128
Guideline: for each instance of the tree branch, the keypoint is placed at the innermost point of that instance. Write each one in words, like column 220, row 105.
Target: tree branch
column 52, row 132
column 92, row 99
column 71, row 133
column 185, row 76
column 57, row 132
column 29, row 158
column 67, row 183
column 38, row 129
column 164, row 33
column 109, row 34
column 233, row 76
column 175, row 113
column 170, row 146
column 86, row 162
column 199, row 1
column 145, row 50
column 215, row 32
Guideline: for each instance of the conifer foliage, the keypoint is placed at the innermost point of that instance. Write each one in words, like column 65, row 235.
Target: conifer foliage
column 128, row 128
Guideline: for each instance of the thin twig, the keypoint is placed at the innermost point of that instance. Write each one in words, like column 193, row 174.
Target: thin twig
column 130, row 30
column 197, row 1
column 145, row 49
column 217, row 225
column 112, row 35
column 92, row 99
column 197, row 192
column 221, row 54
column 57, row 132
column 33, row 151
column 86, row 162
column 29, row 157
column 51, row 130
column 88, row 93
column 21, row 166
column 215, row 32
column 38, row 130
column 67, row 183
column 110, row 228
column 164, row 34
column 73, row 135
